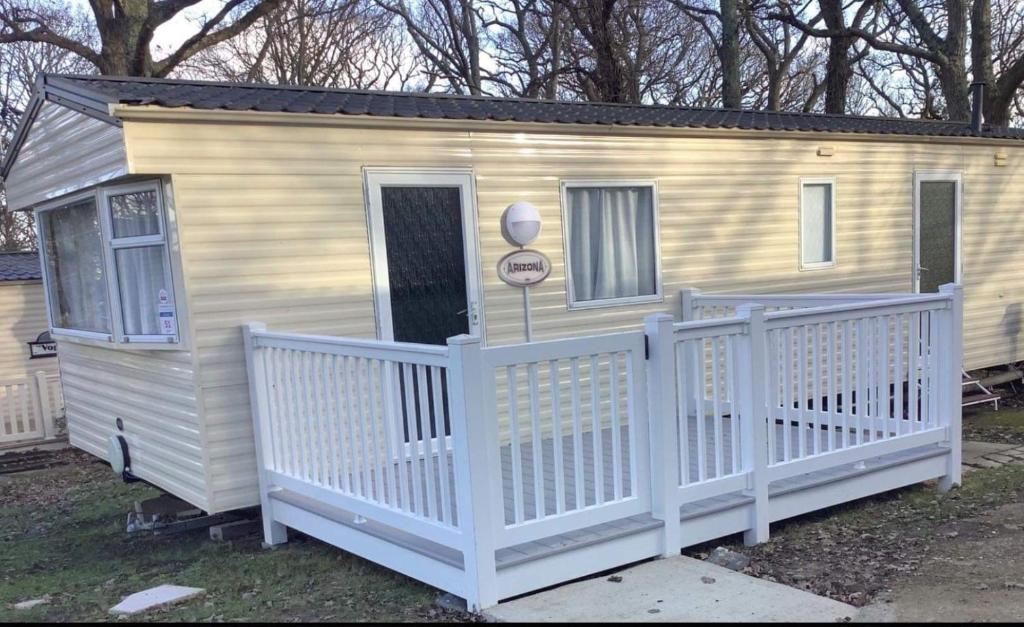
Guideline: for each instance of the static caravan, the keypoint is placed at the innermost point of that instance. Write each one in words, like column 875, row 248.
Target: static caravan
column 30, row 399
column 172, row 213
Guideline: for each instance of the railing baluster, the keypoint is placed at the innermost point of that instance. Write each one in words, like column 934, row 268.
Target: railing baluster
column 734, row 395
column 699, row 389
column 442, row 439
column 577, row 435
column 683, row 401
column 716, row 407
column 423, row 422
column 816, row 374
column 848, row 400
column 596, row 435
column 803, row 373
column 559, row 444
column 897, row 373
column 913, row 384
column 536, row 441
column 379, row 480
column 412, row 446
column 516, row 451
column 616, row 429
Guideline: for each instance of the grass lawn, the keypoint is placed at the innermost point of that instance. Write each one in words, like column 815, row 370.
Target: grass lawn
column 984, row 425
column 62, row 532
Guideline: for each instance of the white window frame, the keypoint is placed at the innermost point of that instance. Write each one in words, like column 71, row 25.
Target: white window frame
column 820, row 265
column 570, row 289
column 110, row 244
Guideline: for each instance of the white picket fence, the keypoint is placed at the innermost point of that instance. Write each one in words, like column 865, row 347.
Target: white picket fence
column 30, row 407
column 480, row 451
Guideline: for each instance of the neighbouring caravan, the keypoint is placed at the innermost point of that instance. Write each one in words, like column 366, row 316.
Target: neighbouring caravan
column 171, row 213
column 30, row 397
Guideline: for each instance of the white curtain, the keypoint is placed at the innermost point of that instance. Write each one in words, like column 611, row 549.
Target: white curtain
column 141, row 275
column 611, row 242
column 74, row 256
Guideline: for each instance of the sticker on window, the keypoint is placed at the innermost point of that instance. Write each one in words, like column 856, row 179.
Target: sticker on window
column 168, row 322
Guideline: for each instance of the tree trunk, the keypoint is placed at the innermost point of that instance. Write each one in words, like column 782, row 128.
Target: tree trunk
column 838, row 67
column 729, row 55
column 956, row 89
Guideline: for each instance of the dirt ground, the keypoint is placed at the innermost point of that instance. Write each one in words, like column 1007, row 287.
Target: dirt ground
column 976, row 576
column 914, row 554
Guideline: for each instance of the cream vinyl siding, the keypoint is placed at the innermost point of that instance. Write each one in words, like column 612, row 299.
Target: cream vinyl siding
column 22, row 319
column 272, row 224
column 64, row 151
column 154, row 393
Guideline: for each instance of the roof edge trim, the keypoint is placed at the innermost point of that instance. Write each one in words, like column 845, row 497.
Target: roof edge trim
column 65, row 94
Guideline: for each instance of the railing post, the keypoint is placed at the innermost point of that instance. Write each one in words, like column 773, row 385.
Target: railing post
column 45, row 413
column 477, row 487
column 950, row 386
column 662, row 402
column 687, row 303
column 273, row 531
column 755, row 419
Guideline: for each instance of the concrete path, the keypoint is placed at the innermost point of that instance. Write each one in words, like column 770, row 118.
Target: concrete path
column 671, row 590
column 990, row 454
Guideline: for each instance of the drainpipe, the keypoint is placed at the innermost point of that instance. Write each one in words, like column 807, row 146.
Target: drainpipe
column 977, row 106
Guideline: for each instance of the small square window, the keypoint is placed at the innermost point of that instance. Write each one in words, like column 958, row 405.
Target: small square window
column 817, row 224
column 611, row 244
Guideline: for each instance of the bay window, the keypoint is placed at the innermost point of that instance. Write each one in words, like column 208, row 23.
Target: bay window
column 611, row 243
column 107, row 268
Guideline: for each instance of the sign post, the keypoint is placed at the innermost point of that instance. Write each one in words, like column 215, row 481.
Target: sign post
column 523, row 268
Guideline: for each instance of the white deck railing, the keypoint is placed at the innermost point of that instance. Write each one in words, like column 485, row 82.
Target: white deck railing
column 29, row 408
column 484, row 449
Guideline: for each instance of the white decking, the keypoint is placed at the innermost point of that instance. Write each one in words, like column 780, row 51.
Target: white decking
column 574, row 456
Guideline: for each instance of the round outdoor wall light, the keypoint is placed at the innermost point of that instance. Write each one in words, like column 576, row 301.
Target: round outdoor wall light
column 520, row 224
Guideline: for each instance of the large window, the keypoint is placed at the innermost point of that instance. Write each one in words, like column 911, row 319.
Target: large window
column 107, row 269
column 817, row 223
column 611, row 243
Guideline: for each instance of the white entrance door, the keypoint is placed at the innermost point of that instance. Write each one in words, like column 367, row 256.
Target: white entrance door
column 937, row 208
column 425, row 257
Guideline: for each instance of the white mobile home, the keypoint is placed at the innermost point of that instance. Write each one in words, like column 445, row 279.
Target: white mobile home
column 173, row 213
column 30, row 398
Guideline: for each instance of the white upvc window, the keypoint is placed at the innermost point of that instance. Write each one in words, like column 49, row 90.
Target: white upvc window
column 107, row 267
column 817, row 223
column 610, row 230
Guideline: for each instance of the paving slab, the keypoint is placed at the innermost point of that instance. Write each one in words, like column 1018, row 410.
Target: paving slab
column 152, row 598
column 972, row 450
column 674, row 589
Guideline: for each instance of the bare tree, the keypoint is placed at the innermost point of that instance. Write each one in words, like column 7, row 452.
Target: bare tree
column 330, row 43
column 527, row 41
column 997, row 57
column 722, row 27
column 449, row 37
column 20, row 63
column 125, row 30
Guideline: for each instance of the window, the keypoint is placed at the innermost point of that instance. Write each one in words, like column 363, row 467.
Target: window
column 107, row 267
column 77, row 285
column 817, row 224
column 611, row 243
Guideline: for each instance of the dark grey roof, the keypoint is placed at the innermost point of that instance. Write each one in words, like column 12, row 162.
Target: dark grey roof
column 19, row 267
column 272, row 98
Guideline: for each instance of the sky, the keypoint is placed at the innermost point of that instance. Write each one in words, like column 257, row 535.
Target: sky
column 172, row 33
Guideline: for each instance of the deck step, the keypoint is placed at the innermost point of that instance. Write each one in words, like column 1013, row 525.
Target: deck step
column 981, row 397
column 573, row 540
